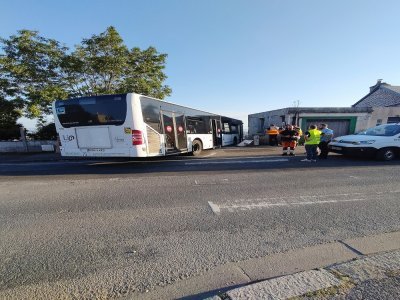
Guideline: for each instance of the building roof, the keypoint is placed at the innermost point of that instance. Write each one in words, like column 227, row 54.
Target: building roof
column 292, row 110
column 388, row 100
column 393, row 88
column 318, row 110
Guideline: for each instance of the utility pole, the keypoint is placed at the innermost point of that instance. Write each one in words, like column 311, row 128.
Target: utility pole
column 23, row 138
column 296, row 105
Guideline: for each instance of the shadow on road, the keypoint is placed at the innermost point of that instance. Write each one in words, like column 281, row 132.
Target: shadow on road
column 183, row 165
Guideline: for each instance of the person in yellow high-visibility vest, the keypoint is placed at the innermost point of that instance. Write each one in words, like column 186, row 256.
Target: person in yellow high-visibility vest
column 312, row 138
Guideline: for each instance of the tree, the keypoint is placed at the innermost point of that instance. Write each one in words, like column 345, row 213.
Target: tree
column 145, row 73
column 32, row 66
column 10, row 111
column 98, row 65
column 103, row 64
column 46, row 132
column 40, row 70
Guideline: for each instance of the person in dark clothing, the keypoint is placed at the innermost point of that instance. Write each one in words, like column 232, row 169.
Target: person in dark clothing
column 326, row 137
column 289, row 138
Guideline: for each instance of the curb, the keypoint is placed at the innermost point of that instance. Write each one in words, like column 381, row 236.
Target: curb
column 309, row 282
column 328, row 264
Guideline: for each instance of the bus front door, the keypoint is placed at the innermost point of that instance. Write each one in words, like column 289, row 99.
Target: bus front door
column 174, row 130
column 217, row 134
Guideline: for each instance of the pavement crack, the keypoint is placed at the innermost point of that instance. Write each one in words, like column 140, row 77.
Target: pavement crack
column 351, row 248
column 245, row 274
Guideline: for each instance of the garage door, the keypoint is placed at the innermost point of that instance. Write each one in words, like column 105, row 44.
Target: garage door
column 339, row 126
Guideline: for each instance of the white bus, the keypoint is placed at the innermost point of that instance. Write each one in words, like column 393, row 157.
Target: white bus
column 133, row 125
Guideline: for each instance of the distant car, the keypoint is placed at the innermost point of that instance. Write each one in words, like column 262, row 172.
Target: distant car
column 381, row 142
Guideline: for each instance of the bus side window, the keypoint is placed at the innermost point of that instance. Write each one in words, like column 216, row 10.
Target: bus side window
column 227, row 128
column 195, row 126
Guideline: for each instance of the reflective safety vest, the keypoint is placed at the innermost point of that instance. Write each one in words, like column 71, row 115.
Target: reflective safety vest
column 314, row 138
column 300, row 132
column 272, row 131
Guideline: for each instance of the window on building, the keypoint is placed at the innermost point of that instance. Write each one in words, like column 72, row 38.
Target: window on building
column 393, row 120
column 261, row 125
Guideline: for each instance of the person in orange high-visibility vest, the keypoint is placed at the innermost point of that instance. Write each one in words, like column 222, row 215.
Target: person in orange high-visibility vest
column 273, row 132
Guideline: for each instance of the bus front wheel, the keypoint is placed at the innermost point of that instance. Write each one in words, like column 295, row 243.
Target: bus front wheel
column 197, row 147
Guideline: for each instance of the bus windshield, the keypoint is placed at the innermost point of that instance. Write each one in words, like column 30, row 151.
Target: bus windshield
column 92, row 111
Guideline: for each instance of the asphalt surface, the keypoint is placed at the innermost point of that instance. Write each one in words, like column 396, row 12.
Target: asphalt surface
column 379, row 289
column 108, row 228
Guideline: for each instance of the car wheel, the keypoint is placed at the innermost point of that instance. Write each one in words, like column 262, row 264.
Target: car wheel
column 386, row 154
column 197, row 147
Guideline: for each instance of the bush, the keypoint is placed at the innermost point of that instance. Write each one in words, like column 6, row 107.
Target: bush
column 10, row 133
column 46, row 132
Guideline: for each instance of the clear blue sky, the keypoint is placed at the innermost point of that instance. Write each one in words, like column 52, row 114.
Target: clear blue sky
column 237, row 57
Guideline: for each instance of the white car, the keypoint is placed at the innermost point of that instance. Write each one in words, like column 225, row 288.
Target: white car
column 382, row 142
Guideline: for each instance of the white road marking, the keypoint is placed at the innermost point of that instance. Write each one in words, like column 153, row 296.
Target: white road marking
column 267, row 204
column 293, row 201
column 212, row 182
column 214, row 207
column 235, row 162
column 299, row 196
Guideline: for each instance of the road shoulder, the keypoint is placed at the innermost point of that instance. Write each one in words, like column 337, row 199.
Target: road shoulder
column 328, row 268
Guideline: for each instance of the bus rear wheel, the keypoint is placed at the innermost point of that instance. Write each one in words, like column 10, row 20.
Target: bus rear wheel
column 197, row 147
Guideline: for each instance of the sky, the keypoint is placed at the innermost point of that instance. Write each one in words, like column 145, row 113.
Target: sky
column 237, row 57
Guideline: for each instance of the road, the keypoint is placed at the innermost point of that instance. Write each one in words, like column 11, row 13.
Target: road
column 112, row 228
